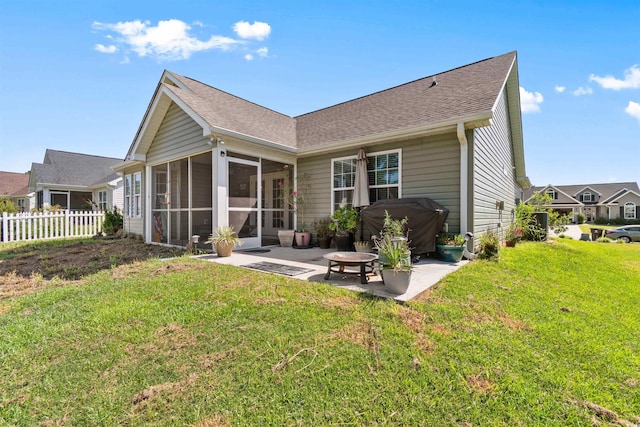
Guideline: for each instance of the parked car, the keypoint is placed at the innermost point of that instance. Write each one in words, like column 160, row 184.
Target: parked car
column 628, row 233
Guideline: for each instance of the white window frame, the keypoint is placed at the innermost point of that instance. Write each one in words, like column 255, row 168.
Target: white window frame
column 629, row 210
column 370, row 156
column 133, row 198
column 553, row 193
column 20, row 203
column 127, row 196
column 103, row 203
column 587, row 197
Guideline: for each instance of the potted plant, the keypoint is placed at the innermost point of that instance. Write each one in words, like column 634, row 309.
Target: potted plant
column 362, row 246
column 298, row 199
column 345, row 222
column 322, row 227
column 395, row 262
column 512, row 234
column 450, row 247
column 224, row 240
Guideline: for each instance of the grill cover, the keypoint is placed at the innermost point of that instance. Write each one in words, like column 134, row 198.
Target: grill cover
column 426, row 218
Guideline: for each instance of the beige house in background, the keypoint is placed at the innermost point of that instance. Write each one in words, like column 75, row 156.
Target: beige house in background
column 203, row 157
column 610, row 201
column 15, row 186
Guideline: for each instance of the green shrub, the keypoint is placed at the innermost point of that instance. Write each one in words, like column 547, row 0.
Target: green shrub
column 603, row 240
column 489, row 244
column 113, row 221
column 581, row 218
column 601, row 220
column 7, row 205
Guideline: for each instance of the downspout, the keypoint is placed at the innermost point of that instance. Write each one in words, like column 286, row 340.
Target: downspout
column 464, row 177
column 464, row 189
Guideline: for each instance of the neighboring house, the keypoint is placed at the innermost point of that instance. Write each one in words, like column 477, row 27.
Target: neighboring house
column 76, row 181
column 16, row 187
column 610, row 201
column 203, row 157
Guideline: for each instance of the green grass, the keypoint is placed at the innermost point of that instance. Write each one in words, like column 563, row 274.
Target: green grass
column 586, row 228
column 538, row 337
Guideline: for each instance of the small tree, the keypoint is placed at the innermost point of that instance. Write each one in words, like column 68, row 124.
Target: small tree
column 7, row 205
column 526, row 221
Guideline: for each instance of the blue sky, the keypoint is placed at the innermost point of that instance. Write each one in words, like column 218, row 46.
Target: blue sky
column 78, row 75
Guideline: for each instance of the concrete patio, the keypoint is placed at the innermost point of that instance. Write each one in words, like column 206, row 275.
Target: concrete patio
column 426, row 273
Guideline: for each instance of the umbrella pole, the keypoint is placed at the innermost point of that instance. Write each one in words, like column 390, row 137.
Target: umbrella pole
column 361, row 225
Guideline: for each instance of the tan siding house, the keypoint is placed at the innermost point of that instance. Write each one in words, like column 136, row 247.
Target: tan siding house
column 208, row 158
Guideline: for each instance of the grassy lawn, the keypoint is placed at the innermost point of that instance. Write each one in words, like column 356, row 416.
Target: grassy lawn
column 547, row 335
column 586, row 228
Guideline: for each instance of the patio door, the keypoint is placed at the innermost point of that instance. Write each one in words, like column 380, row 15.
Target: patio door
column 244, row 200
column 275, row 205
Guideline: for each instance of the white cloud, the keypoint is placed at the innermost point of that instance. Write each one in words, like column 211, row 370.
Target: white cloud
column 631, row 80
column 106, row 49
column 169, row 40
column 633, row 109
column 560, row 89
column 263, row 52
column 248, row 57
column 583, row 91
column 257, row 30
column 530, row 101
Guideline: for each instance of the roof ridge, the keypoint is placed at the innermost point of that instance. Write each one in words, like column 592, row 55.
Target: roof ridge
column 81, row 154
column 406, row 83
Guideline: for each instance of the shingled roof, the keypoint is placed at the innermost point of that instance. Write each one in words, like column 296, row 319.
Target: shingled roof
column 14, row 184
column 608, row 191
column 73, row 169
column 461, row 94
column 223, row 110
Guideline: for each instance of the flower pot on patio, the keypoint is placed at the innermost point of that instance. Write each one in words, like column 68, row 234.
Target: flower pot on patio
column 344, row 242
column 396, row 282
column 224, row 249
column 286, row 238
column 303, row 239
column 324, row 242
column 450, row 253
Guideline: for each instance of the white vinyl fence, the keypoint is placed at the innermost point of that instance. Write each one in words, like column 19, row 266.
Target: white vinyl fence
column 50, row 225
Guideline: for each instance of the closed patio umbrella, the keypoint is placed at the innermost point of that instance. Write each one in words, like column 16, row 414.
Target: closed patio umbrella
column 361, row 185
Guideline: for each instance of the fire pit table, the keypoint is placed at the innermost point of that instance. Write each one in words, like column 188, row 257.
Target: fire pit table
column 339, row 260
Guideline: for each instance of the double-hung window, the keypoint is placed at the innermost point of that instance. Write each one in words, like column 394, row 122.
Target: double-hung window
column 102, row 200
column 383, row 171
column 133, row 195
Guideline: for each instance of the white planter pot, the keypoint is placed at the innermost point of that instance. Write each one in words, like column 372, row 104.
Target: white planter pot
column 286, row 238
column 396, row 282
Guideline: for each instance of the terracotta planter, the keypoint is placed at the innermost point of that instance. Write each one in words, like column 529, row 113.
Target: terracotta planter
column 510, row 243
column 286, row 238
column 303, row 239
column 224, row 249
column 396, row 282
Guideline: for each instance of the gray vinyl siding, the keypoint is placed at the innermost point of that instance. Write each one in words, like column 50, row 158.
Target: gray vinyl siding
column 178, row 136
column 430, row 168
column 493, row 173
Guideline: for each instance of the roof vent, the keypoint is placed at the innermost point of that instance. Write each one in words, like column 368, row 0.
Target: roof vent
column 434, row 82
